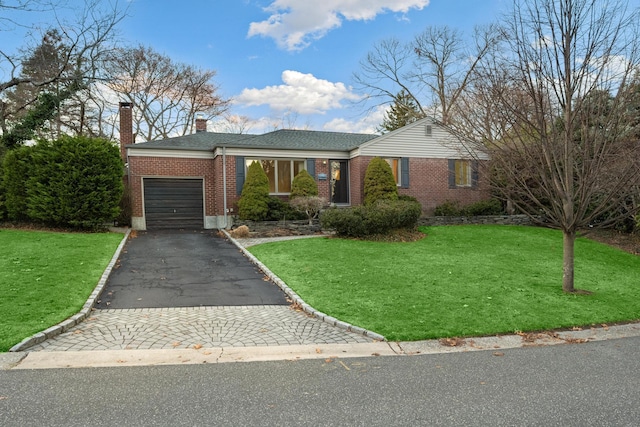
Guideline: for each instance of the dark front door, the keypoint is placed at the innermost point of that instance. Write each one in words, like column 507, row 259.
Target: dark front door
column 339, row 181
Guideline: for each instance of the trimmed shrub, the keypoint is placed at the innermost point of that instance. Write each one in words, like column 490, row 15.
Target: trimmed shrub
column 380, row 217
column 76, row 182
column 379, row 183
column 303, row 185
column 279, row 210
column 15, row 166
column 483, row 207
column 254, row 199
column 447, row 209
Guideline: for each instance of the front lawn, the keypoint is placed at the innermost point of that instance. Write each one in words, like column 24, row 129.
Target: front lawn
column 458, row 281
column 46, row 277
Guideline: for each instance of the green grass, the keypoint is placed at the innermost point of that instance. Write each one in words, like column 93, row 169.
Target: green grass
column 458, row 281
column 46, row 277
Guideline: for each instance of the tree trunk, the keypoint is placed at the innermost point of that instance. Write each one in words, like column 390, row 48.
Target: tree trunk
column 568, row 243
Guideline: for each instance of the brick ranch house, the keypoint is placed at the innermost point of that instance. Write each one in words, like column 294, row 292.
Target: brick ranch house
column 195, row 181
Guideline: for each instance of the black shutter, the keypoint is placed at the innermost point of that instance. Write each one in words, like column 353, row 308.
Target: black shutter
column 474, row 174
column 311, row 167
column 404, row 172
column 239, row 174
column 452, row 173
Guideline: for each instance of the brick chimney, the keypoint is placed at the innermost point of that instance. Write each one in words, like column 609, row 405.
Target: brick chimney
column 201, row 123
column 126, row 128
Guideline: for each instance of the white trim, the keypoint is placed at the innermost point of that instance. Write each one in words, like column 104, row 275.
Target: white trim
column 284, row 154
column 178, row 154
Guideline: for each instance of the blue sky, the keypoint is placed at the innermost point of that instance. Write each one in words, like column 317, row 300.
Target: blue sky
column 287, row 62
column 292, row 58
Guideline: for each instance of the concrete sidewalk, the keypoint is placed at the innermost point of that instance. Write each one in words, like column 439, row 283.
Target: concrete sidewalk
column 200, row 355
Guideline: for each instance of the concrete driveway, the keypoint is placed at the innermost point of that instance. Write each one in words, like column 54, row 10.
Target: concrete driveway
column 185, row 268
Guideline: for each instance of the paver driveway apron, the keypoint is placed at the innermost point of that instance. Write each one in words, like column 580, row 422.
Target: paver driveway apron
column 192, row 289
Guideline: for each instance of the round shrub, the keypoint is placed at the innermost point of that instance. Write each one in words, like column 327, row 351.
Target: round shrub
column 448, row 208
column 303, row 185
column 75, row 181
column 379, row 183
column 254, row 199
column 381, row 217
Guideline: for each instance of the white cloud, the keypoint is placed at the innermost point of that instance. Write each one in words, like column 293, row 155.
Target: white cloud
column 300, row 93
column 294, row 24
column 367, row 124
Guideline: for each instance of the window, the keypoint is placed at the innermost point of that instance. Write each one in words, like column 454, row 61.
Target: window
column 463, row 173
column 395, row 168
column 279, row 172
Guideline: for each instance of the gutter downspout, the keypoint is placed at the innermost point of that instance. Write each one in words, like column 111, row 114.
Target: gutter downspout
column 224, row 185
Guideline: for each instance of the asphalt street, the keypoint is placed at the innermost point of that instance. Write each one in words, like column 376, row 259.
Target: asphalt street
column 592, row 384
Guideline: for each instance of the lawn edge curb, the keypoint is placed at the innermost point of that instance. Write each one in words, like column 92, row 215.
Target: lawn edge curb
column 84, row 312
column 295, row 298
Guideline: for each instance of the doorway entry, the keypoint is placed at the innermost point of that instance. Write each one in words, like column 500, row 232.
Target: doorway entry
column 339, row 182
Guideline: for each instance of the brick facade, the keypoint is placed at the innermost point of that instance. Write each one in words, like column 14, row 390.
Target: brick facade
column 166, row 167
column 428, row 182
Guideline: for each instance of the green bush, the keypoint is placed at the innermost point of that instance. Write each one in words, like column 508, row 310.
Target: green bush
column 75, row 181
column 380, row 217
column 279, row 210
column 15, row 168
column 254, row 200
column 303, row 185
column 483, row 207
column 124, row 217
column 379, row 183
column 447, row 209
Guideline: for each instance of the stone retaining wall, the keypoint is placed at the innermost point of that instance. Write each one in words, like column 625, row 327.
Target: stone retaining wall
column 303, row 227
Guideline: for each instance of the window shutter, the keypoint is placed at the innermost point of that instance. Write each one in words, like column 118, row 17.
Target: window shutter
column 474, row 174
column 404, row 172
column 239, row 174
column 311, row 167
column 452, row 173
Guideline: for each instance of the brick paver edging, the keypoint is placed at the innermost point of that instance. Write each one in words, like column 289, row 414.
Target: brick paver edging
column 72, row 321
column 299, row 301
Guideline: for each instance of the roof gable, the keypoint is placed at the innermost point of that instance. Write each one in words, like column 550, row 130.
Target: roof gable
column 413, row 140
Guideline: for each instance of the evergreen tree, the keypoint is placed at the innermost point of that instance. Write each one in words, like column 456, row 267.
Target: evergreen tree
column 402, row 112
column 254, row 200
column 379, row 183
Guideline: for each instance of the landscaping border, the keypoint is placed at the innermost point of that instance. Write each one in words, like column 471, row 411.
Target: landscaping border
column 295, row 298
column 77, row 318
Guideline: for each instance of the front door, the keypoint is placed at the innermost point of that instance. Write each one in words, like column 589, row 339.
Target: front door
column 339, row 182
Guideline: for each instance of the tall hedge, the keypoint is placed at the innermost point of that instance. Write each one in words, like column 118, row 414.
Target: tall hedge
column 254, row 199
column 303, row 185
column 16, row 169
column 379, row 183
column 75, row 181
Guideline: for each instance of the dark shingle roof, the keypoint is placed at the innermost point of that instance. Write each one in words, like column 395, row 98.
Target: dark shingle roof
column 284, row 139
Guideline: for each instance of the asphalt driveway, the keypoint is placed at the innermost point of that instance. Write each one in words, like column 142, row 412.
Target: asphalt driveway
column 185, row 268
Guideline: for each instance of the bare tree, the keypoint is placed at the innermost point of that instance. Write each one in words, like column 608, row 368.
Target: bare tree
column 78, row 49
column 167, row 95
column 434, row 69
column 233, row 123
column 565, row 152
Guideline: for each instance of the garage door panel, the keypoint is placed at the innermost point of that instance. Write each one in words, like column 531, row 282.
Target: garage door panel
column 173, row 203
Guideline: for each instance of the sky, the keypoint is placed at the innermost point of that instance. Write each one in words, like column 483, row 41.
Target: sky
column 290, row 63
